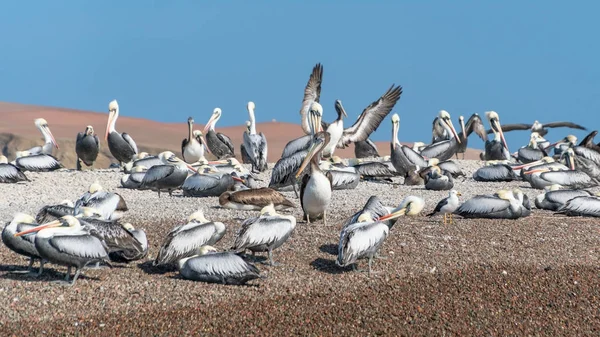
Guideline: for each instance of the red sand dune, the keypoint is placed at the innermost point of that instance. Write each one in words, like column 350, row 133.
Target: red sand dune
column 66, row 123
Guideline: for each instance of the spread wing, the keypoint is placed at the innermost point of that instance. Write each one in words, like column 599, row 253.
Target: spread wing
column 511, row 127
column 474, row 124
column 564, row 124
column 371, row 117
column 312, row 93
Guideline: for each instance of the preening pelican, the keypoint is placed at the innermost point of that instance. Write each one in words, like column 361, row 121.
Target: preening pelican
column 22, row 245
column 9, row 173
column 562, row 145
column 444, row 149
column 192, row 147
column 208, row 182
column 49, row 141
column 52, row 212
column 87, row 147
column 121, row 145
column 254, row 199
column 134, row 179
column 110, row 205
column 504, row 204
column 266, row 232
column 168, row 176
column 410, row 206
column 312, row 93
column 447, row 206
column 436, row 179
column 365, row 149
column 128, row 255
column 582, row 206
column 213, row 267
column 540, row 128
column 185, row 240
column 65, row 242
column 255, row 144
column 553, row 197
column 219, row 144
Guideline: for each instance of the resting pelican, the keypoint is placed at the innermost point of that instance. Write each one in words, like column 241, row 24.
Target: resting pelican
column 168, row 176
column 447, row 206
column 533, row 151
column 208, row 182
column 219, row 144
column 147, row 162
column 65, row 242
column 245, row 156
column 49, row 141
column 52, row 212
column 496, row 149
column 540, row 128
column 22, row 245
column 315, row 191
column 540, row 178
column 445, row 149
column 369, row 169
column 213, row 267
column 26, row 161
column 9, row 173
column 110, row 205
column 553, row 197
column 365, row 149
column 436, row 179
column 403, row 157
column 192, row 147
column 582, row 206
column 128, row 255
column 504, row 204
column 362, row 240
column 312, row 93
column 581, row 163
column 495, row 171
column 255, row 144
column 563, row 144
column 342, row 178
column 185, row 240
column 86, row 147
column 413, row 178
column 134, row 179
column 367, row 122
column 254, row 199
column 266, row 232
column 121, row 145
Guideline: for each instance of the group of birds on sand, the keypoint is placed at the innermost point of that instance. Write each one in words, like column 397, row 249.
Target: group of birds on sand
column 90, row 230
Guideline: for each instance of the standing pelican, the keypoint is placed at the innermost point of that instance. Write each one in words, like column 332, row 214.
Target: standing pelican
column 503, row 205
column 121, row 145
column 245, row 156
column 86, row 147
column 22, row 245
column 185, row 240
column 65, row 242
column 219, row 144
column 192, row 147
column 10, row 173
column 496, row 149
column 168, row 176
column 444, row 149
column 266, row 232
column 49, row 141
column 315, row 191
column 403, row 157
column 213, row 267
column 255, row 144
column 312, row 93
column 447, row 206
column 254, row 199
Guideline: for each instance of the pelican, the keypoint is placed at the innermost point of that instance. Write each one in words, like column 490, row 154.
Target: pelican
column 563, row 144
column 410, row 206
column 495, row 171
column 219, row 144
column 9, row 173
column 168, row 176
column 362, row 240
column 445, row 149
column 22, row 245
column 504, row 204
column 367, row 122
column 582, row 206
column 540, row 128
column 370, row 169
column 121, row 145
column 315, row 191
column 438, row 180
column 26, row 161
column 52, row 212
column 185, row 240
column 147, row 162
column 208, row 182
column 255, row 144
column 65, row 242
column 110, row 205
column 86, row 147
column 413, row 178
column 403, row 157
column 581, row 163
column 533, row 151
column 588, row 141
column 342, row 178
column 365, row 149
column 49, row 141
column 128, row 255
column 447, row 206
column 244, row 153
column 254, row 199
column 266, row 232
column 192, row 147
column 542, row 177
column 134, row 179
column 553, row 197
column 496, row 149
column 312, row 93
column 213, row 267
column 474, row 124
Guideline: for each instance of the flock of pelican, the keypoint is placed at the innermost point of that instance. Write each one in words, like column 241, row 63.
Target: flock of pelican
column 90, row 231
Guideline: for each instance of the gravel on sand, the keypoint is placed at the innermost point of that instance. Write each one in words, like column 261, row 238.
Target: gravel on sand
column 537, row 275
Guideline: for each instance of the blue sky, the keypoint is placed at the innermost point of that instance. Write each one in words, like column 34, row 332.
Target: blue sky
column 167, row 60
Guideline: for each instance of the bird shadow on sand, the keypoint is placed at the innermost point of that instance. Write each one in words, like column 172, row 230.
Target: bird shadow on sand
column 329, row 248
column 48, row 275
column 148, row 268
column 328, row 266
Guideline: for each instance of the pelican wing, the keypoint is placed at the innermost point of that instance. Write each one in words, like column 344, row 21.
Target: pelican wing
column 360, row 238
column 261, row 196
column 38, row 162
column 343, row 179
column 441, row 150
column 11, row 174
column 374, row 169
column 185, row 241
column 52, row 212
column 589, row 206
column 114, row 235
column 568, row 178
column 284, row 170
column 296, row 145
column 512, row 127
column 498, row 172
column 474, row 124
column 262, row 230
column 221, row 264
column 312, row 93
column 562, row 196
column 25, row 226
column 482, row 204
column 157, row 172
column 226, row 140
column 130, row 141
column 564, row 124
column 373, row 206
column 81, row 245
column 80, row 136
column 371, row 117
column 263, row 148
column 414, row 157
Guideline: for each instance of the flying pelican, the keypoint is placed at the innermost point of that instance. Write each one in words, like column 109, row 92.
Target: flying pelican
column 367, row 122
column 447, row 206
column 255, row 144
column 26, row 161
column 266, row 232
column 244, row 153
column 213, row 267
column 10, row 173
column 581, row 206
column 218, row 144
column 65, row 242
column 22, row 245
column 208, row 182
column 254, row 199
column 128, row 255
column 134, row 179
column 121, row 145
column 192, row 147
column 110, row 205
column 362, row 240
column 185, row 240
column 445, row 149
column 495, row 171
column 540, row 128
column 168, row 176
column 86, row 147
column 312, row 93
column 315, row 191
column 365, row 149
column 553, row 197
column 496, row 149
column 403, row 157
column 49, row 141
column 504, row 204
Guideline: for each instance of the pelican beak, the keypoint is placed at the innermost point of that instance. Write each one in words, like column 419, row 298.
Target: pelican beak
column 238, row 179
column 571, row 161
column 204, row 144
column 340, row 108
column 458, row 193
column 537, row 170
column 111, row 116
column 47, row 129
column 208, row 124
column 451, row 126
column 218, row 162
column 314, row 148
column 501, row 133
column 55, row 223
column 394, row 215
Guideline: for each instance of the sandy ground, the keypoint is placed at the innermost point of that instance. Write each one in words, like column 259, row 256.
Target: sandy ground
column 539, row 275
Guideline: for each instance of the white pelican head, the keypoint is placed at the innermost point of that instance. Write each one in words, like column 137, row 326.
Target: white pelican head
column 206, row 249
column 214, row 118
column 3, row 159
column 268, row 210
column 23, row 218
column 113, row 114
column 198, row 216
column 42, row 125
column 446, row 122
column 433, row 162
column 67, row 221
column 250, row 106
column 95, row 187
column 128, row 226
column 67, row 202
column 365, row 217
